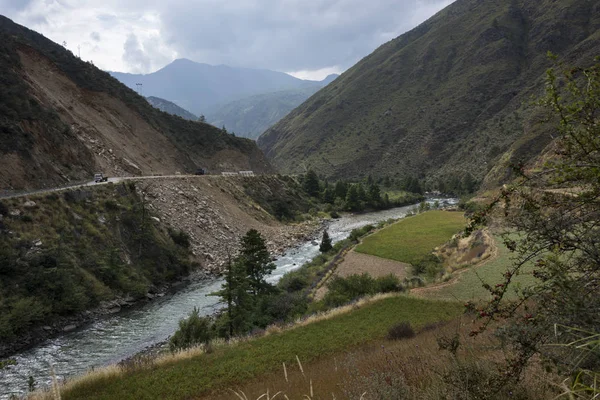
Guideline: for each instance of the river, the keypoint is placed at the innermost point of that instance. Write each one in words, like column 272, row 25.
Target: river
column 120, row 336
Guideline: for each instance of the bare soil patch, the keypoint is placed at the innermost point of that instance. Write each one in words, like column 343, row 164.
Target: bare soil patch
column 359, row 263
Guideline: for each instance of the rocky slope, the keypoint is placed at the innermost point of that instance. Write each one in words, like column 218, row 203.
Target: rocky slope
column 66, row 257
column 451, row 96
column 63, row 119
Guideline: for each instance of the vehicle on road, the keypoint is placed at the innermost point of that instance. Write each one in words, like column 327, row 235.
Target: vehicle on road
column 100, row 178
column 200, row 171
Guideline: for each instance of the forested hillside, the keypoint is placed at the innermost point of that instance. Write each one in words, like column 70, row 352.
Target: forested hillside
column 449, row 97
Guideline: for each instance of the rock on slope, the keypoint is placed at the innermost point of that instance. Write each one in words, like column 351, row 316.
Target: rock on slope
column 450, row 96
column 64, row 119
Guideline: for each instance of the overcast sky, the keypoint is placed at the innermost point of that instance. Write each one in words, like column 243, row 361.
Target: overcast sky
column 308, row 38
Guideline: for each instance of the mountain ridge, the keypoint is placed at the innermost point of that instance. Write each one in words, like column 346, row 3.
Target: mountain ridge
column 201, row 88
column 449, row 96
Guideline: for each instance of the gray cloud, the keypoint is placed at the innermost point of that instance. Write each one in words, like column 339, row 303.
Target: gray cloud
column 285, row 35
column 288, row 34
column 134, row 54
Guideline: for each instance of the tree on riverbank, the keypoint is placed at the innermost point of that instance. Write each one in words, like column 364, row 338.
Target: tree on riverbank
column 325, row 243
column 245, row 285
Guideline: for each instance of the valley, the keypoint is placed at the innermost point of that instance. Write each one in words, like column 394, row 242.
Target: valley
column 205, row 225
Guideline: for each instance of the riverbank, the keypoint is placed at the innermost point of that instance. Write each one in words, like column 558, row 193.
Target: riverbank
column 119, row 336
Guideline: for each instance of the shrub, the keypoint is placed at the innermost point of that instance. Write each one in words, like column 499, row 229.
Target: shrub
column 180, row 238
column 360, row 232
column 403, row 330
column 111, row 205
column 388, row 283
column 192, row 331
column 294, row 281
column 3, row 208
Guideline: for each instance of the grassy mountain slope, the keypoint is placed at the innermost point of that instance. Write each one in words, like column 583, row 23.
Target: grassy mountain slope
column 200, row 88
column 63, row 119
column 171, row 108
column 251, row 116
column 450, row 96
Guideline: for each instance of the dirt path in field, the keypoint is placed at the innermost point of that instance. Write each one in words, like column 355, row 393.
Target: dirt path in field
column 358, row 263
column 493, row 254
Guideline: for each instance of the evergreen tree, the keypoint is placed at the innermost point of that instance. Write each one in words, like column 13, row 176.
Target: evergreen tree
column 352, row 199
column 311, row 183
column 360, row 191
column 325, row 243
column 374, row 195
column 329, row 195
column 341, row 189
column 257, row 262
column 235, row 294
column 202, row 118
column 468, row 183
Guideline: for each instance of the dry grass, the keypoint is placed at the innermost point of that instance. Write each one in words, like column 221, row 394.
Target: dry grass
column 408, row 369
column 193, row 373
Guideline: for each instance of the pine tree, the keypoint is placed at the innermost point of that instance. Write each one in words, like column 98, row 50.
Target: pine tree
column 311, row 183
column 257, row 261
column 374, row 195
column 325, row 243
column 341, row 189
column 352, row 199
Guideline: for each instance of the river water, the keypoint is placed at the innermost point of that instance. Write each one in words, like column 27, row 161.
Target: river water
column 120, row 336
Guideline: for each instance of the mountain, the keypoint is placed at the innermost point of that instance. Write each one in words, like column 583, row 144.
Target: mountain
column 201, row 87
column 449, row 97
column 251, row 116
column 170, row 108
column 62, row 119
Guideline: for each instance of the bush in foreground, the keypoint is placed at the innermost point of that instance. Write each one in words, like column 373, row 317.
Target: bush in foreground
column 192, row 331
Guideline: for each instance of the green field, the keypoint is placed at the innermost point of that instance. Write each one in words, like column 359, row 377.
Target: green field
column 469, row 285
column 228, row 366
column 411, row 239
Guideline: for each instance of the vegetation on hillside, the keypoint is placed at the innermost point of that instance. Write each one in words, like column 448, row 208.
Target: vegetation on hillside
column 449, row 97
column 64, row 253
column 224, row 367
column 556, row 210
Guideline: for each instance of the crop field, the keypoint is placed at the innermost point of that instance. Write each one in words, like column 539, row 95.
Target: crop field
column 413, row 238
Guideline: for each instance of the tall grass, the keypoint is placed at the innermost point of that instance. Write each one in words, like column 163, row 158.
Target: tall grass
column 193, row 374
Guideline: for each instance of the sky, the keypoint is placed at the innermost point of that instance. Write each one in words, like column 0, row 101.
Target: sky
column 309, row 39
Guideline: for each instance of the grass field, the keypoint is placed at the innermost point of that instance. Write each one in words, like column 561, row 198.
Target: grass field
column 468, row 285
column 228, row 366
column 412, row 238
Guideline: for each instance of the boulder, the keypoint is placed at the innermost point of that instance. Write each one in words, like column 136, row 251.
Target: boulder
column 29, row 204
